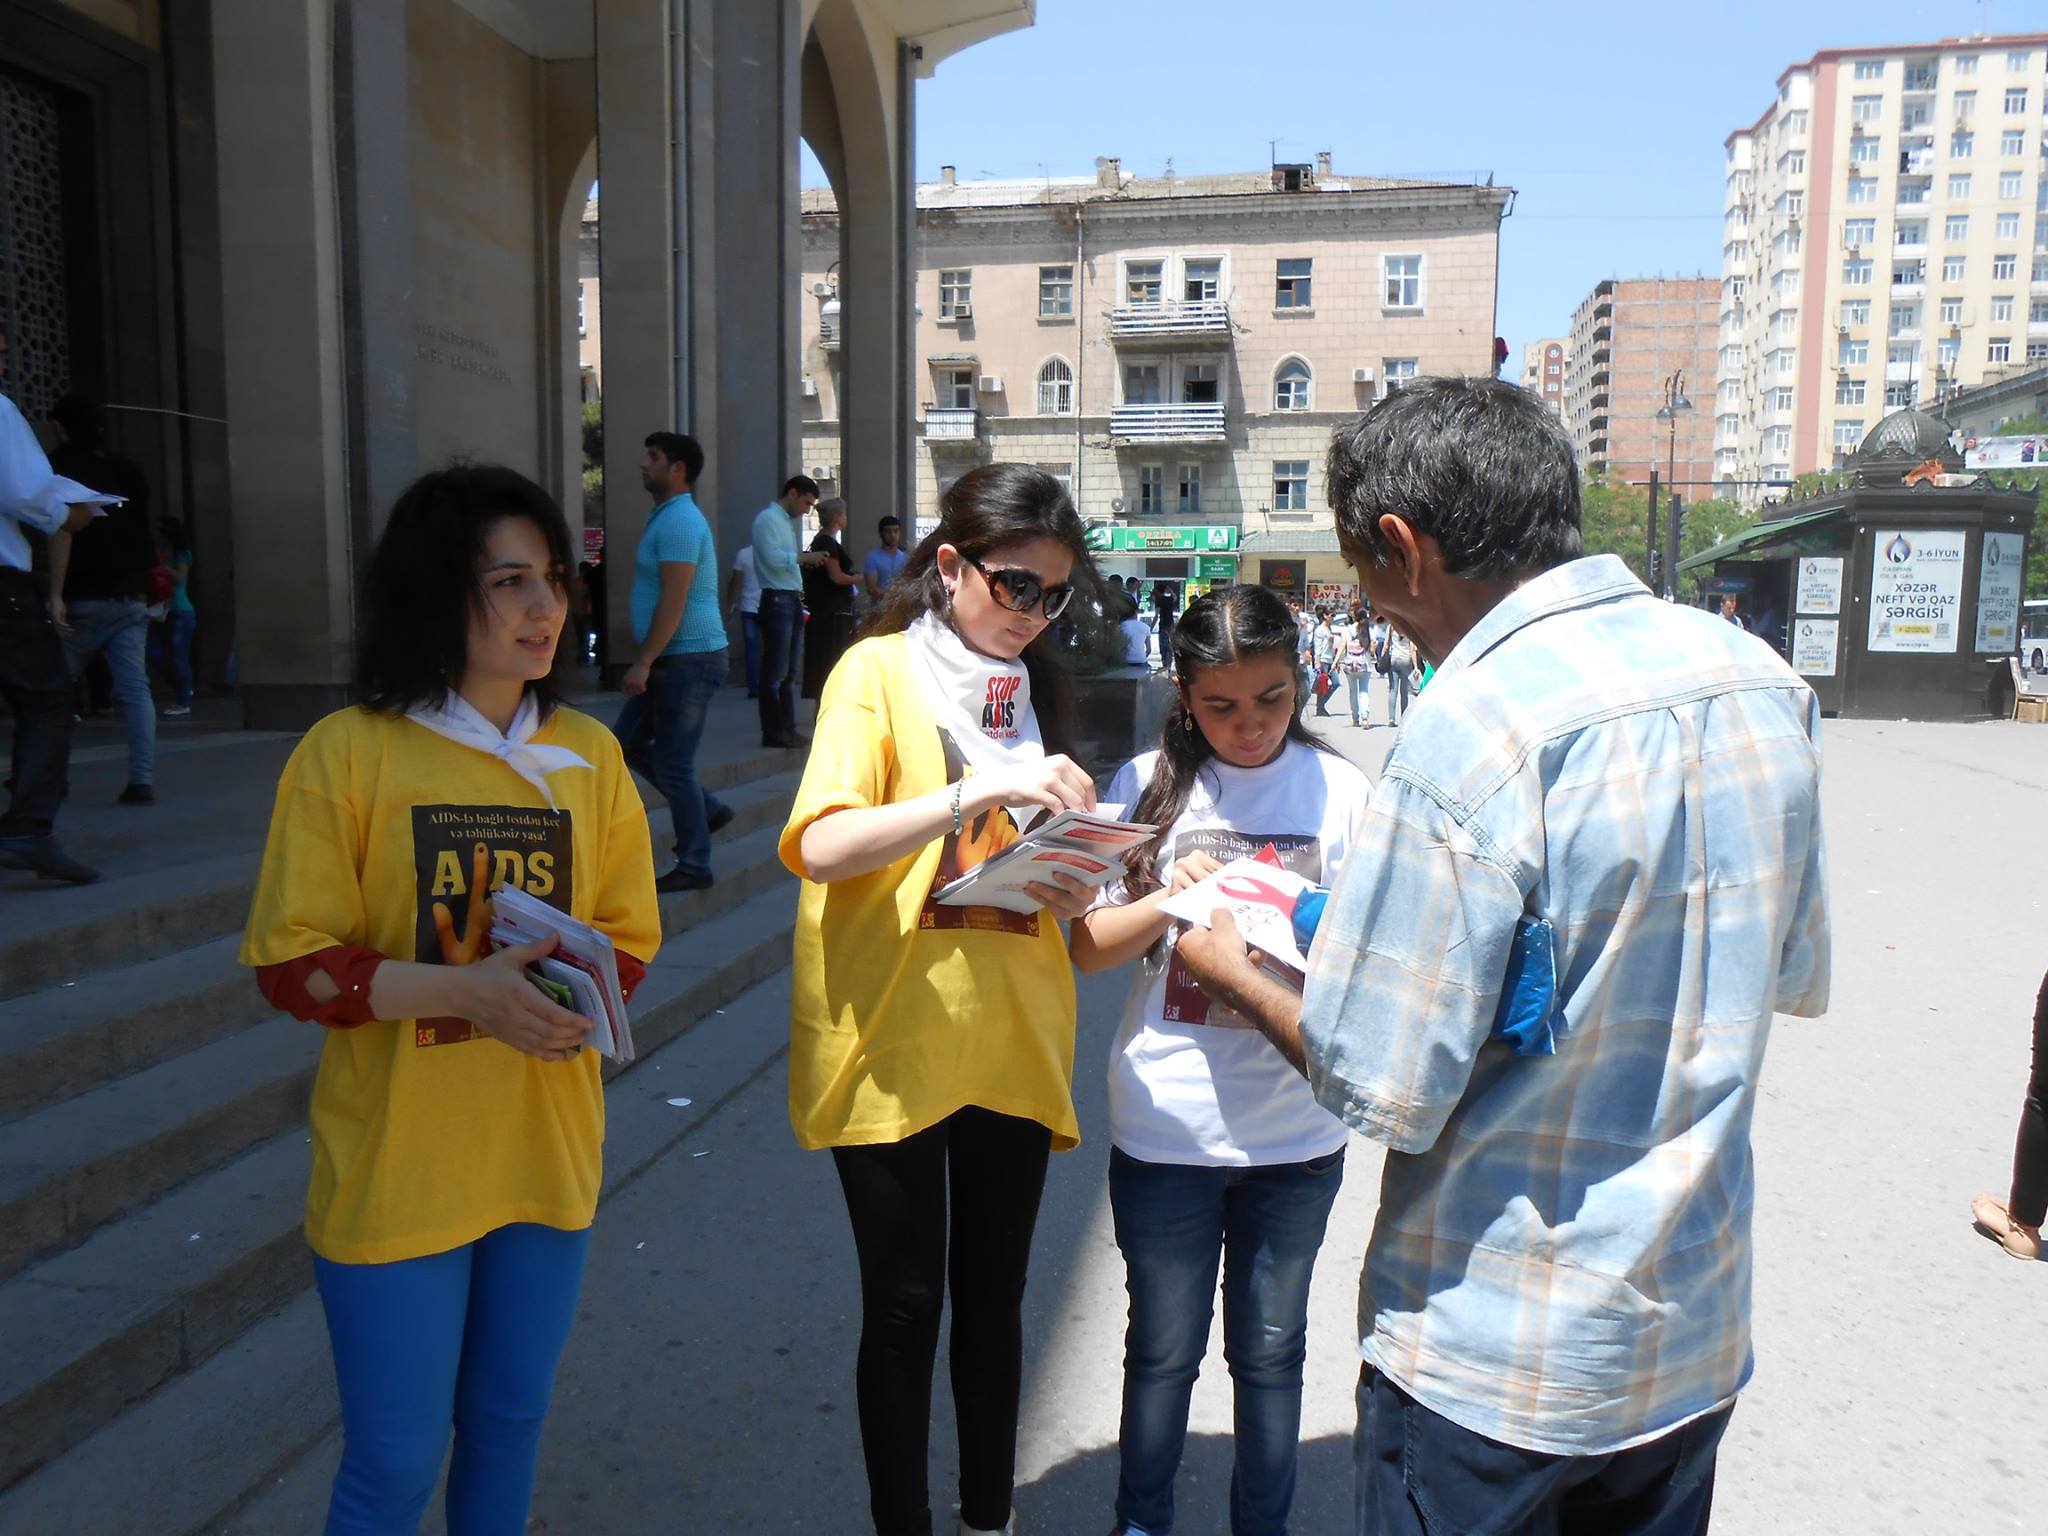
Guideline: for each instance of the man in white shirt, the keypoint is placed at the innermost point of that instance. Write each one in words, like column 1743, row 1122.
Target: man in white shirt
column 743, row 596
column 33, row 677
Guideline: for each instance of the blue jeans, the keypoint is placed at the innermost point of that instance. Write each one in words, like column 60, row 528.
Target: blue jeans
column 1358, row 688
column 660, row 730
column 170, row 650
column 1175, row 1224
column 120, row 627
column 782, row 618
column 1400, row 689
column 469, row 1339
column 1419, row 1474
column 750, row 636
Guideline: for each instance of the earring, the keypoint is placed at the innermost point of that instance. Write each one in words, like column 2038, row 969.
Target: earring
column 1187, row 723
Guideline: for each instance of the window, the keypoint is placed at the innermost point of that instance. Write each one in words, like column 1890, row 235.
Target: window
column 1912, row 232
column 1951, row 311
column 2013, row 142
column 1055, row 293
column 1781, row 398
column 1290, row 385
column 1855, row 312
column 1795, row 163
column 2009, row 183
column 2037, row 312
column 1904, row 353
column 1952, row 268
column 1290, row 485
column 1898, row 395
column 1870, row 69
column 2007, row 226
column 1780, row 441
column 1151, row 489
column 2040, row 272
column 2003, row 267
column 1959, row 187
column 1966, row 105
column 1056, row 388
column 1946, row 350
column 1859, row 231
column 1142, row 384
column 1852, row 352
column 1965, row 64
column 2016, row 101
column 1961, row 144
column 1201, row 279
column 956, row 294
column 1144, row 282
column 1849, row 391
column 2001, row 307
column 1866, row 109
column 1848, row 434
column 1856, row 274
column 1862, row 189
column 1795, row 124
column 2037, row 351
column 1956, row 227
column 1190, row 503
column 582, row 325
column 1396, row 371
column 1201, row 384
column 1904, row 318
column 1403, row 281
column 1867, row 150
column 956, row 388
column 1291, row 283
column 2016, row 62
column 1999, row 350
column 1788, row 362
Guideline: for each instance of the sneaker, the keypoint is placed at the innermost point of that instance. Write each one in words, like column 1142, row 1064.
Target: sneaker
column 676, row 880
column 137, row 794
column 45, row 857
column 177, row 711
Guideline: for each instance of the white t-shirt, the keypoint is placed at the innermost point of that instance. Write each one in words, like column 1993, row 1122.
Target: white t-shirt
column 750, row 586
column 1137, row 641
column 1183, row 1088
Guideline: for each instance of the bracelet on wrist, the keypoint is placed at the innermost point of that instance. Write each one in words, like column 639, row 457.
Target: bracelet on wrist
column 959, row 785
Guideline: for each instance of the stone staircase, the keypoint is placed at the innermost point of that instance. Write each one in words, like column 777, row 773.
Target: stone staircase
column 153, row 1157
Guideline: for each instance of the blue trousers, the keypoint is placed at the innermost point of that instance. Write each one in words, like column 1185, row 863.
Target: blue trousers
column 782, row 624
column 119, row 626
column 660, row 731
column 469, row 1339
column 750, row 636
column 1176, row 1225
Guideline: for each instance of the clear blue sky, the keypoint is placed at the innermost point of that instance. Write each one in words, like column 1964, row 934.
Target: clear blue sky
column 1607, row 118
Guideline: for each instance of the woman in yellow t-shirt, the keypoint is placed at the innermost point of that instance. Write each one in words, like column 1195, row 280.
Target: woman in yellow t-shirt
column 457, row 1122
column 932, row 1047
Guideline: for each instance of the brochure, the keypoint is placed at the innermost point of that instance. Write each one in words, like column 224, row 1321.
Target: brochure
column 1086, row 847
column 584, row 962
column 1260, row 897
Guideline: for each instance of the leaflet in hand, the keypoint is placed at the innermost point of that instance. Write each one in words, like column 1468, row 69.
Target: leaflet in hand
column 1083, row 847
column 585, row 962
column 1259, row 896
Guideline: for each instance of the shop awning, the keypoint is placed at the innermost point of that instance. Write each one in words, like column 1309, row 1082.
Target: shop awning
column 1290, row 541
column 1755, row 538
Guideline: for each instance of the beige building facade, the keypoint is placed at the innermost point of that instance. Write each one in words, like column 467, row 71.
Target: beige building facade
column 1885, row 241
column 1178, row 350
column 1543, row 365
column 1634, row 341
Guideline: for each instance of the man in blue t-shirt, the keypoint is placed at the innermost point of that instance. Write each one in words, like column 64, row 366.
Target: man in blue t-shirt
column 884, row 565
column 680, row 656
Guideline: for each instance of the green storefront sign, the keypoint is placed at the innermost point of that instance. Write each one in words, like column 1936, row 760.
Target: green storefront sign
column 1122, row 538
column 1216, row 568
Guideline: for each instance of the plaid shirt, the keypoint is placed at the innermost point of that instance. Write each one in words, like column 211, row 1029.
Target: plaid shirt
column 1562, row 1256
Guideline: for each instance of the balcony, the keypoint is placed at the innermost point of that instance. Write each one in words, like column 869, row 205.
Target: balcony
column 1167, row 423
column 1167, row 321
column 828, row 333
column 1919, row 82
column 1602, row 332
column 959, row 427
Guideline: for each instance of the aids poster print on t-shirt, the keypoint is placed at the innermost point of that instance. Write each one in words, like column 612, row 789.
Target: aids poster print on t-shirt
column 460, row 854
column 981, row 838
column 1186, row 1002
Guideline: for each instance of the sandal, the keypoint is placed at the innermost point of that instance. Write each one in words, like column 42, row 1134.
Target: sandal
column 1996, row 1223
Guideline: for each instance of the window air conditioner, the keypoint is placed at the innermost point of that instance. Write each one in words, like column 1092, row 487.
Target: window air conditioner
column 963, row 311
column 822, row 472
column 810, row 389
column 1361, row 375
column 991, row 384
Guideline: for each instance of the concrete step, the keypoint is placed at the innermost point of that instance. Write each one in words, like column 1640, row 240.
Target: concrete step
column 57, row 934
column 145, row 1301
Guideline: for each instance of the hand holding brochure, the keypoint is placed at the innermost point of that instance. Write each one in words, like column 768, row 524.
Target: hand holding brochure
column 1260, row 898
column 584, row 962
column 1083, row 847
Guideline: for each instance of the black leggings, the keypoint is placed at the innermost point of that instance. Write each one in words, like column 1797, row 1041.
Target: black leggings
column 994, row 1167
column 2029, row 1203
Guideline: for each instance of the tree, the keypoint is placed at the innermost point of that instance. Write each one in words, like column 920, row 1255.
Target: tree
column 1707, row 523
column 1611, row 519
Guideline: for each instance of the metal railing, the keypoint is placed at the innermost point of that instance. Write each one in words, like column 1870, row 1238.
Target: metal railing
column 1167, row 423
column 1191, row 317
column 951, row 424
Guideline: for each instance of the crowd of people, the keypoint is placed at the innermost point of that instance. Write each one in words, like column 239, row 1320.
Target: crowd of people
column 1556, row 932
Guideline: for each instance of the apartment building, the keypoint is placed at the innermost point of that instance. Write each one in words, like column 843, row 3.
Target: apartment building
column 1885, row 241
column 1177, row 349
column 1543, row 370
column 1633, row 340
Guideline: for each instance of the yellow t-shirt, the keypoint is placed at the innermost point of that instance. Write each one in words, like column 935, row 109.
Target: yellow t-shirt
column 905, row 1011
column 428, row 1133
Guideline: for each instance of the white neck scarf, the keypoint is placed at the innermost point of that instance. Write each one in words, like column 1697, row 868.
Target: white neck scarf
column 461, row 721
column 982, row 703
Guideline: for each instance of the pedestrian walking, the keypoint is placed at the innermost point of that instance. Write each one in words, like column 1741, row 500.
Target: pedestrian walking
column 681, row 659
column 1356, row 665
column 778, row 568
column 457, row 1122
column 2015, row 1223
column 33, row 676
column 1221, row 1158
column 171, row 637
column 1166, row 603
column 1589, row 875
column 1323, row 658
column 101, row 581
column 932, row 1046
column 829, row 586
column 885, row 562
column 743, row 600
column 1397, row 661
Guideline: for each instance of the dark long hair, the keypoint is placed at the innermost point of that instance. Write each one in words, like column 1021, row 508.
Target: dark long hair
column 1228, row 625
column 999, row 506
column 424, row 583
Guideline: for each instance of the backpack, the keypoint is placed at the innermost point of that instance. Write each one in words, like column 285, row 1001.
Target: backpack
column 1400, row 654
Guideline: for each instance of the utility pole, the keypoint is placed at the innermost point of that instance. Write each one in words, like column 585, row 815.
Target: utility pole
column 1672, row 545
column 1650, row 537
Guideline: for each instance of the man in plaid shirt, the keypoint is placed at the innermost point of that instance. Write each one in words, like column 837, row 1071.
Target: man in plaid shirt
column 1621, row 797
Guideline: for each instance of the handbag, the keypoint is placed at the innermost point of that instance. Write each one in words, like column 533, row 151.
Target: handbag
column 1324, row 685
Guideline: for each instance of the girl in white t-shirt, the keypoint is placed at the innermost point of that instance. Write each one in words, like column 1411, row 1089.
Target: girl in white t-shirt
column 1221, row 1156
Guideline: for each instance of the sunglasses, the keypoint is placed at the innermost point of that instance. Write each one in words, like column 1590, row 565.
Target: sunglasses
column 1022, row 591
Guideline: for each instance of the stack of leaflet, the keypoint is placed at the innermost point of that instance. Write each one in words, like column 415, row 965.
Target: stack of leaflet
column 584, row 963
column 1089, row 849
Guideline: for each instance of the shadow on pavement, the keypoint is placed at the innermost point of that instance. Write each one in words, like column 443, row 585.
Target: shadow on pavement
column 1078, row 1497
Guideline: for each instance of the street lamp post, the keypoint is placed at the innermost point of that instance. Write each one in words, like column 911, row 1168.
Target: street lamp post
column 1674, row 402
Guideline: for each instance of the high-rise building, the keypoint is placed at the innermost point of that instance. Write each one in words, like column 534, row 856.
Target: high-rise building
column 1632, row 339
column 1885, row 241
column 1543, row 370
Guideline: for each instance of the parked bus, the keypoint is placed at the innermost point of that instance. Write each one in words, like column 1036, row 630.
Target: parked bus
column 2034, row 633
